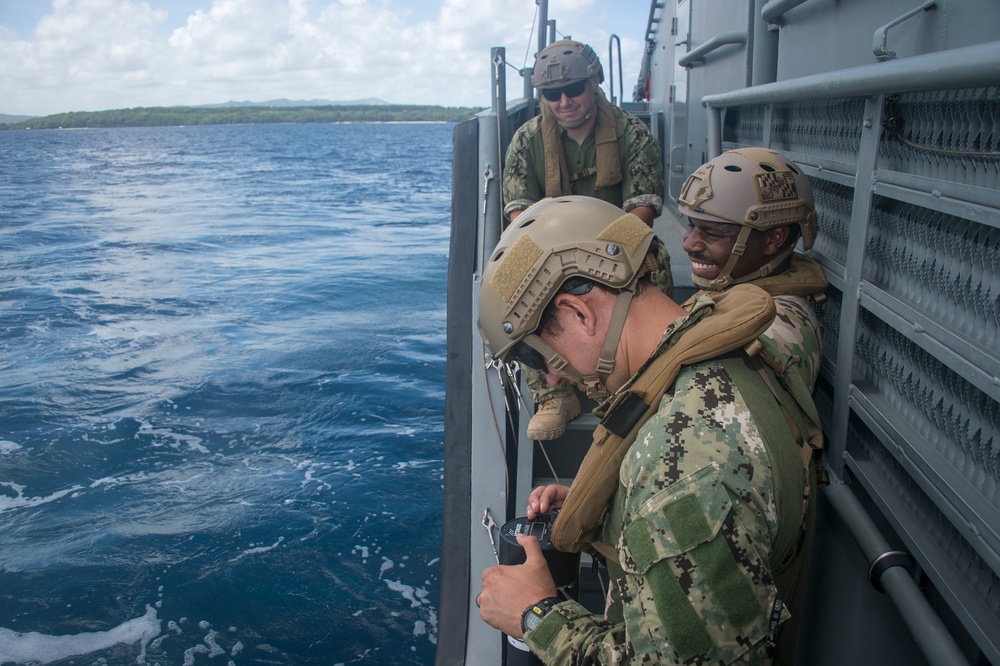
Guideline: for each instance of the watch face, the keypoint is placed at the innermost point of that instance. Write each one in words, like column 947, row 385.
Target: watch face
column 534, row 613
column 531, row 621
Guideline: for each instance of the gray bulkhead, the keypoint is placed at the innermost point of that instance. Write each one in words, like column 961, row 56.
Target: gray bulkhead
column 892, row 107
column 893, row 110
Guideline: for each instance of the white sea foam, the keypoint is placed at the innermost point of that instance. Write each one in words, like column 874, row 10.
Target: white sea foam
column 257, row 549
column 408, row 592
column 19, row 501
column 192, row 442
column 35, row 648
column 8, row 447
column 414, row 464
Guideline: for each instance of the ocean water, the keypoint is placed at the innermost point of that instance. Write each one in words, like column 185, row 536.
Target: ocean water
column 221, row 394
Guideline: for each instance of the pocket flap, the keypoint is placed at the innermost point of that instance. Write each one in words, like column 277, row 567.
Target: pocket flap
column 681, row 517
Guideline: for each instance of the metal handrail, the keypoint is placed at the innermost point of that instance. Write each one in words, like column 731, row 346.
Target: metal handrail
column 880, row 46
column 937, row 643
column 965, row 67
column 720, row 40
column 611, row 69
column 774, row 11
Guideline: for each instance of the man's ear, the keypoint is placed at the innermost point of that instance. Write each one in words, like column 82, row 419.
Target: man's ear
column 775, row 240
column 576, row 311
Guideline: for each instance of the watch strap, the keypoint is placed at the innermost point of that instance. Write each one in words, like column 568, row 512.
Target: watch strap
column 538, row 610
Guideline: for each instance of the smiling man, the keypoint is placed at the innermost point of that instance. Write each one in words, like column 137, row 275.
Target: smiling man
column 580, row 144
column 746, row 210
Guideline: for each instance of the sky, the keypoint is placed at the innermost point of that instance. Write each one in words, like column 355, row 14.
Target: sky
column 91, row 55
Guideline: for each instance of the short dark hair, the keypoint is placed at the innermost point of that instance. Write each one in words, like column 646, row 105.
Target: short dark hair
column 550, row 324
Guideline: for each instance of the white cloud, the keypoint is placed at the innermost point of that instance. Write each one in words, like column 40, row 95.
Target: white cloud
column 101, row 54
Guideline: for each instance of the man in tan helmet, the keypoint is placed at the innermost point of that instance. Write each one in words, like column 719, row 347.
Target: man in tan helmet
column 746, row 210
column 695, row 489
column 580, row 144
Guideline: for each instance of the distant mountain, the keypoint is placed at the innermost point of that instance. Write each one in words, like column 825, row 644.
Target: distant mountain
column 7, row 118
column 371, row 101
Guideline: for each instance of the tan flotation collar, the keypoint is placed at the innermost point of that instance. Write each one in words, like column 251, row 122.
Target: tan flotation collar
column 741, row 314
column 804, row 277
column 558, row 178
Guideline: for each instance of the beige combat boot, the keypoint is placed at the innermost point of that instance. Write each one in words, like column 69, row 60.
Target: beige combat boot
column 551, row 417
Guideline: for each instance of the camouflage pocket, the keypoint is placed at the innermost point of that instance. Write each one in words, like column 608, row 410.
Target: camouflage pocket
column 695, row 581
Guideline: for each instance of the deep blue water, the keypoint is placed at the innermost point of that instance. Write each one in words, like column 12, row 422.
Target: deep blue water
column 222, row 393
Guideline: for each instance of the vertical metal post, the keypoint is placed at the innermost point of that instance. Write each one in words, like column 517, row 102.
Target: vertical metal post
column 714, row 134
column 871, row 128
column 543, row 23
column 611, row 69
column 764, row 48
column 498, row 59
column 496, row 101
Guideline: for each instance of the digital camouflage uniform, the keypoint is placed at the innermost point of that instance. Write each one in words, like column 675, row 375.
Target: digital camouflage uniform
column 796, row 329
column 708, row 504
column 642, row 171
column 642, row 185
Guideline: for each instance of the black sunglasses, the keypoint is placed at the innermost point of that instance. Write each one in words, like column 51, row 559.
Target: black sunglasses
column 529, row 357
column 572, row 90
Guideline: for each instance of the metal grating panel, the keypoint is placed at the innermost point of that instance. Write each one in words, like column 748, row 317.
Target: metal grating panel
column 745, row 125
column 833, row 213
column 944, row 266
column 828, row 313
column 957, row 419
column 984, row 582
column 951, row 135
column 828, row 129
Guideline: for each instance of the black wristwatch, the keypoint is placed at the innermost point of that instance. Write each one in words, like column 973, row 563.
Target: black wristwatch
column 533, row 614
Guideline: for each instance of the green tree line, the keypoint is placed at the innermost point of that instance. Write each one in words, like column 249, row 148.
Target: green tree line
column 246, row 115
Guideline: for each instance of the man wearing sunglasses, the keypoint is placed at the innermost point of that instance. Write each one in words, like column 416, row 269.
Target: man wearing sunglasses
column 580, row 144
column 696, row 487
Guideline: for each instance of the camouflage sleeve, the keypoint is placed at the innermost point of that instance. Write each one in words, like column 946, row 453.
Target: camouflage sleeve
column 694, row 544
column 642, row 177
column 796, row 332
column 521, row 185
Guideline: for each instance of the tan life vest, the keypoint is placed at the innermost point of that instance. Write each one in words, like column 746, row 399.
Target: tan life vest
column 558, row 178
column 803, row 278
column 741, row 314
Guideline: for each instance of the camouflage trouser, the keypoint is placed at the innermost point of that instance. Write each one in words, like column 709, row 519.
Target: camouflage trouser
column 537, row 384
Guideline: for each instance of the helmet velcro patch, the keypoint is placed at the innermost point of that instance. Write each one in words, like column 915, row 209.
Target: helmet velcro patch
column 627, row 232
column 514, row 265
column 761, row 156
column 775, row 186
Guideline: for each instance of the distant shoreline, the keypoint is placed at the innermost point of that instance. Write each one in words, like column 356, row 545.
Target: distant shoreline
column 180, row 116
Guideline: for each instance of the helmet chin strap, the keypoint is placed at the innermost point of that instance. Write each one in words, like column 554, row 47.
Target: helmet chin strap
column 596, row 383
column 724, row 279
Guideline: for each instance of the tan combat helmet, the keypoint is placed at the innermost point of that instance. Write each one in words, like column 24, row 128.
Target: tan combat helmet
column 549, row 243
column 756, row 188
column 564, row 62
